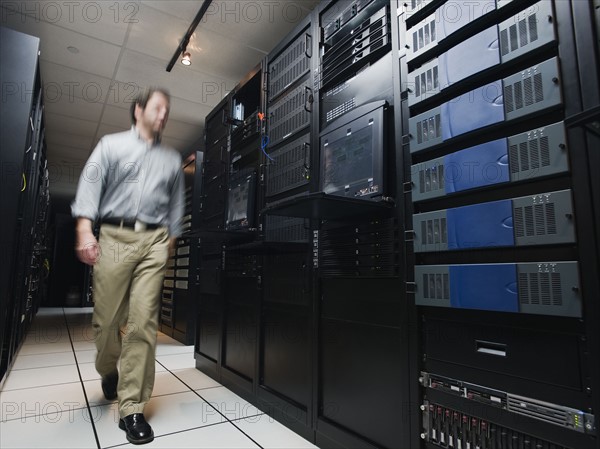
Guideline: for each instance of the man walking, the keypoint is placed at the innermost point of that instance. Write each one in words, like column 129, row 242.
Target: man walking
column 133, row 187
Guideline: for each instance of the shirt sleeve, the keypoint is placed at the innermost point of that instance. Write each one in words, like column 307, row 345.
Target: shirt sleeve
column 176, row 204
column 91, row 183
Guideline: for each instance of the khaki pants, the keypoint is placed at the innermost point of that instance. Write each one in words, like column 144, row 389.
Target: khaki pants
column 127, row 284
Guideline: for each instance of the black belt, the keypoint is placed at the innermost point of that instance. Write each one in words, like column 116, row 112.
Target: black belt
column 128, row 223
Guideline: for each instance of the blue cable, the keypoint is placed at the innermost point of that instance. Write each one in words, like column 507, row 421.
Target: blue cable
column 263, row 145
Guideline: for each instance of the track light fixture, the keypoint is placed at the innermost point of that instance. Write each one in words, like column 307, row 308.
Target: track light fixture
column 181, row 48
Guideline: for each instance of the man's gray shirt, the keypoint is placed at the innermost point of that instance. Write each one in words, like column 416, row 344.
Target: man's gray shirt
column 126, row 177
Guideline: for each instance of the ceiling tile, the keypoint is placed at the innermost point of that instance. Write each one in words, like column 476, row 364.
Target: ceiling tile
column 101, row 20
column 71, row 106
column 144, row 37
column 70, row 125
column 55, row 139
column 139, row 70
column 182, row 9
column 63, row 83
column 190, row 112
column 94, row 56
column 183, row 131
column 115, row 116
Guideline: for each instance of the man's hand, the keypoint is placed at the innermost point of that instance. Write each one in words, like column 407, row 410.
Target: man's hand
column 86, row 245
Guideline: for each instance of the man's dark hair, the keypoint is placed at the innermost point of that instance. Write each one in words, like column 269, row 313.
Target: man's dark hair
column 142, row 99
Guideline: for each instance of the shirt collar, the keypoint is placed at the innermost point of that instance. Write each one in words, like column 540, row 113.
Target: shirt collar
column 136, row 133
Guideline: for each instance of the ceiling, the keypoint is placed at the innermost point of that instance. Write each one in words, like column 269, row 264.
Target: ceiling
column 96, row 55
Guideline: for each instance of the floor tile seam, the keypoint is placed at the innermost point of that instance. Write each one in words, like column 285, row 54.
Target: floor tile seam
column 87, row 402
column 247, row 436
column 177, row 432
column 47, row 353
column 42, row 367
column 196, row 393
column 185, row 391
column 175, row 353
column 39, row 386
column 38, row 415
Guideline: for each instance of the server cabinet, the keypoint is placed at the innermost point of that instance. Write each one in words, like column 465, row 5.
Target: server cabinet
column 180, row 294
column 25, row 191
column 493, row 165
column 284, row 333
column 215, row 173
column 207, row 347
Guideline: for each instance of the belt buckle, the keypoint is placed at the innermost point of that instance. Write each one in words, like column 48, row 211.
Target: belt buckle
column 139, row 226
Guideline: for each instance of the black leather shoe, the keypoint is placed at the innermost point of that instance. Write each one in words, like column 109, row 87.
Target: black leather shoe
column 109, row 385
column 138, row 430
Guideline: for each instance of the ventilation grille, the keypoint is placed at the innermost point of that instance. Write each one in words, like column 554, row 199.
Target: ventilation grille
column 436, row 286
column 346, row 106
column 362, row 250
column 427, row 81
column 289, row 167
column 285, row 229
column 434, row 231
column 530, row 155
column 524, row 93
column 339, row 88
column 289, row 115
column 288, row 67
column 519, row 35
column 431, row 179
column 543, row 289
column 545, row 412
column 424, row 36
column 535, row 220
column 429, row 129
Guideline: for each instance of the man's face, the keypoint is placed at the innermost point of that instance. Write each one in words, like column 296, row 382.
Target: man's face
column 154, row 116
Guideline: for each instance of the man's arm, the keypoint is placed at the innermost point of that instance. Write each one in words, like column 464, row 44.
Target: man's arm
column 86, row 204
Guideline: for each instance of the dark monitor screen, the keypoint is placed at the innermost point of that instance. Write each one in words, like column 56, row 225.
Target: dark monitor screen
column 348, row 160
column 240, row 203
column 352, row 157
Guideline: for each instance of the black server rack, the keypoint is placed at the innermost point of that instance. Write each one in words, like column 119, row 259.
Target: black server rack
column 500, row 280
column 215, row 167
column 287, row 157
column 179, row 295
column 282, row 363
column 180, row 292
column 413, row 155
column 241, row 262
column 207, row 350
column 25, row 197
column 358, row 239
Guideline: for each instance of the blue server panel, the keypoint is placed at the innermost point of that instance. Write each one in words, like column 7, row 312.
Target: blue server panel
column 545, row 219
column 543, row 288
column 532, row 90
column 526, row 31
column 446, row 20
column 529, row 155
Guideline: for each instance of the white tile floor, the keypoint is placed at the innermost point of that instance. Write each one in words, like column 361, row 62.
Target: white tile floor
column 52, row 397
